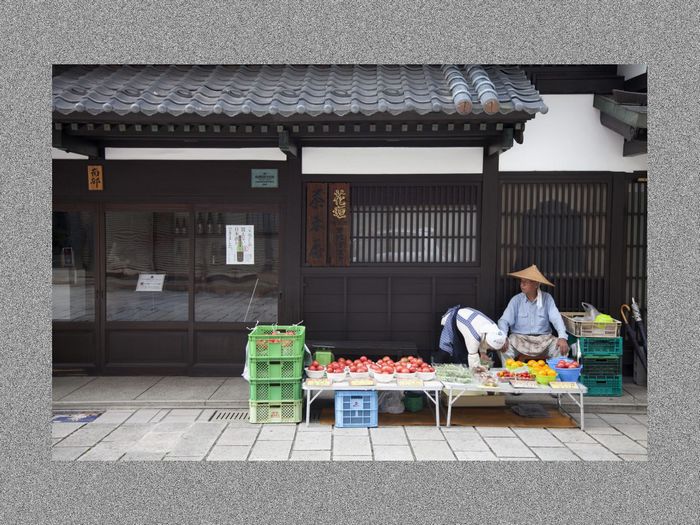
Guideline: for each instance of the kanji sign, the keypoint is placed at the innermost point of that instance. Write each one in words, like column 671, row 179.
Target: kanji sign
column 95, row 179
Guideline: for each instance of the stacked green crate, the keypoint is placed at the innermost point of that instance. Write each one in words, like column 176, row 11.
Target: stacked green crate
column 275, row 364
column 601, row 358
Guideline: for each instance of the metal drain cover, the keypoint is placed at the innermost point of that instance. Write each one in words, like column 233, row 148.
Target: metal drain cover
column 229, row 415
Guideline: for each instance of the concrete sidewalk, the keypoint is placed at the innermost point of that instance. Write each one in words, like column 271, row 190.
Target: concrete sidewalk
column 131, row 392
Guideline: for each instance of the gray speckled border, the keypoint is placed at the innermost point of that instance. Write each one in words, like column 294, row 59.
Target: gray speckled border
column 35, row 490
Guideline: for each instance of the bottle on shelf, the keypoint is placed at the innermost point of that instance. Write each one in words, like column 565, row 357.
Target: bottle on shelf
column 219, row 224
column 178, row 230
column 183, row 226
column 200, row 224
column 210, row 224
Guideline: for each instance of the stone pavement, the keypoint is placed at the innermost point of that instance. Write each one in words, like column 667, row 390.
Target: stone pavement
column 187, row 434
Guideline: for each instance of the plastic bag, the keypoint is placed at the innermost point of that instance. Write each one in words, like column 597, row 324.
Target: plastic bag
column 390, row 402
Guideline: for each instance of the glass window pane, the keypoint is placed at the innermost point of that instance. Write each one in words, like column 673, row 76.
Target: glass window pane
column 73, row 262
column 241, row 283
column 147, row 243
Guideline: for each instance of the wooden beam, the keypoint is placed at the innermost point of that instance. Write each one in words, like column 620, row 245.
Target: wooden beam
column 634, row 147
column 287, row 146
column 61, row 140
column 504, row 144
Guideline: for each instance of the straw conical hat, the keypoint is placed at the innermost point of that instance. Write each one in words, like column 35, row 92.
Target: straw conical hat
column 532, row 273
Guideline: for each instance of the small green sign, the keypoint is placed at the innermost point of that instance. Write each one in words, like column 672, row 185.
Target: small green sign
column 263, row 178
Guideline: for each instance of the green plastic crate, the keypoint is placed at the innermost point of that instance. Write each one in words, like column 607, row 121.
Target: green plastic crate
column 275, row 369
column 277, row 341
column 275, row 412
column 590, row 346
column 610, row 386
column 289, row 390
column 602, row 365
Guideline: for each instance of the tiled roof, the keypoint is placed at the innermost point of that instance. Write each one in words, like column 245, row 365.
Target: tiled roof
column 289, row 90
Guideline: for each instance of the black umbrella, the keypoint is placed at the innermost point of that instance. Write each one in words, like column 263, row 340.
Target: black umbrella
column 639, row 324
column 632, row 335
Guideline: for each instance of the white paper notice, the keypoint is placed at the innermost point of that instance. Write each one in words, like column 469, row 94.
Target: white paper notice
column 150, row 282
column 240, row 244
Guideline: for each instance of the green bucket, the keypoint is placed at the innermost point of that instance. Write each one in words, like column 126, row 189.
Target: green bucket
column 413, row 401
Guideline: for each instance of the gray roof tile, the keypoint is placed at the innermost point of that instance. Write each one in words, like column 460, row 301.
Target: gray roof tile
column 288, row 90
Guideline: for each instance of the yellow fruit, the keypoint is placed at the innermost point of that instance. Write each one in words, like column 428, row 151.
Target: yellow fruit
column 531, row 362
column 540, row 362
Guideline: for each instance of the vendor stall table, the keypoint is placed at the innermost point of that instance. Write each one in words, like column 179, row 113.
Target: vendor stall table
column 456, row 390
column 432, row 390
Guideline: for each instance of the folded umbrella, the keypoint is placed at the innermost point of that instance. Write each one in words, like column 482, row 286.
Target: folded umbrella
column 632, row 335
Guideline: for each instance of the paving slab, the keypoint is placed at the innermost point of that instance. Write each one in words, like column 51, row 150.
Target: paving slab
column 183, row 458
column 178, row 388
column 432, row 451
column 393, row 453
column 311, row 455
column 469, row 441
column 61, row 430
column 352, row 458
column 613, row 419
column 143, row 415
column 116, row 417
column 636, row 432
column 183, row 414
column 229, row 453
column 621, row 444
column 519, row 459
column 424, row 434
column 314, row 427
column 112, row 388
column 62, row 386
column 571, row 435
column 238, row 436
column 143, row 456
column 313, row 441
column 555, row 454
column 232, row 389
column 592, row 452
column 509, row 447
column 54, row 441
column 67, row 453
column 160, row 415
column 537, row 437
column 350, row 431
column 106, row 452
column 475, row 455
column 495, row 431
column 644, row 443
column 198, row 439
column 388, row 436
column 351, row 446
column 642, row 418
column 129, row 432
column 600, row 427
column 277, row 433
column 270, row 451
column 157, row 442
column 88, row 436
column 634, row 457
column 172, row 426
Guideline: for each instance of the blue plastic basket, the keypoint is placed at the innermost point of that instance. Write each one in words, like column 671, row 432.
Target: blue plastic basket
column 568, row 374
column 552, row 361
column 356, row 408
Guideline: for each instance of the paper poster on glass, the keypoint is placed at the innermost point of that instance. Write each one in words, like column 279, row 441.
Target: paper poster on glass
column 239, row 244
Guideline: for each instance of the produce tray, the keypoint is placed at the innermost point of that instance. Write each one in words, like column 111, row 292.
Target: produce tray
column 287, row 390
column 575, row 325
column 277, row 341
column 590, row 346
column 275, row 369
column 598, row 386
column 356, row 409
column 282, row 412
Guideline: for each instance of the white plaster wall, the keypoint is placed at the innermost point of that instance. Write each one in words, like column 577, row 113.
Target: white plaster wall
column 569, row 137
column 194, row 154
column 371, row 161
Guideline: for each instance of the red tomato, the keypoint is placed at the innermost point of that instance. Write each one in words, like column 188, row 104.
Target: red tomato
column 363, row 358
column 315, row 363
column 353, row 369
column 419, row 361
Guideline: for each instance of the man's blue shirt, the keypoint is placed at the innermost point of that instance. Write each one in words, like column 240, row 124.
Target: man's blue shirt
column 524, row 317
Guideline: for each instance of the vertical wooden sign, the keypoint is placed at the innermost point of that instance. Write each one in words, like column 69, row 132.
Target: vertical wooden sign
column 339, row 224
column 95, row 179
column 316, row 223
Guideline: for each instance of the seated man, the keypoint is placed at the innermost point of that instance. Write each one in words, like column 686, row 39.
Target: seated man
column 467, row 334
column 528, row 316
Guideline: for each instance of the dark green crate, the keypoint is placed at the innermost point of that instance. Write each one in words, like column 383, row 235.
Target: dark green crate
column 275, row 369
column 591, row 346
column 609, row 386
column 289, row 390
column 602, row 365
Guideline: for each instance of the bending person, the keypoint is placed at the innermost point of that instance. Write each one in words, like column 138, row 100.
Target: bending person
column 467, row 334
column 528, row 316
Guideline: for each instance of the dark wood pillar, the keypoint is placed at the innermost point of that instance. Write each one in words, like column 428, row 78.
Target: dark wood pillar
column 293, row 239
column 489, row 237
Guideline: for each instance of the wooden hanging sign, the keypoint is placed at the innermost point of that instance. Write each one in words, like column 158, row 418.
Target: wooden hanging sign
column 339, row 224
column 316, row 223
column 95, row 179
